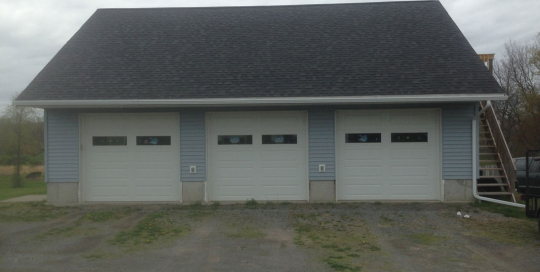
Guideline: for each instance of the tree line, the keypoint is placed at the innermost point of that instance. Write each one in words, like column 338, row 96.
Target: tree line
column 21, row 134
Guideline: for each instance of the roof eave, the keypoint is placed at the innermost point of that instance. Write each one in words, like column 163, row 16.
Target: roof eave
column 266, row 101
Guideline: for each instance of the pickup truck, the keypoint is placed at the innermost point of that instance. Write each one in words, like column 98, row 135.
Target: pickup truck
column 530, row 188
column 534, row 175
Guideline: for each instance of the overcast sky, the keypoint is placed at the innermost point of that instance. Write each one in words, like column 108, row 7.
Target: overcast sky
column 32, row 31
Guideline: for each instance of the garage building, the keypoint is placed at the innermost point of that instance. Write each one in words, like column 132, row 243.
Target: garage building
column 338, row 102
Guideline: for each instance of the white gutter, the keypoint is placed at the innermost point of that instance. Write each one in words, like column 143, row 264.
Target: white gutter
column 260, row 101
column 475, row 156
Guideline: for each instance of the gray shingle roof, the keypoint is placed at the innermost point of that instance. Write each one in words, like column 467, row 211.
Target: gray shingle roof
column 395, row 48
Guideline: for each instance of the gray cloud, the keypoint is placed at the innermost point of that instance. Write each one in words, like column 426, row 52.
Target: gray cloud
column 32, row 31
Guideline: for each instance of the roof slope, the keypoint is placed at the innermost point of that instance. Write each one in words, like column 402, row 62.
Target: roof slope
column 396, row 48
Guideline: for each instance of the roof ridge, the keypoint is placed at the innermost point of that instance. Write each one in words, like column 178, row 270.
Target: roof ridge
column 275, row 6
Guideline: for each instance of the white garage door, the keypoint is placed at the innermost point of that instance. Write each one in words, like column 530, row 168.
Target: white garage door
column 260, row 155
column 131, row 157
column 388, row 154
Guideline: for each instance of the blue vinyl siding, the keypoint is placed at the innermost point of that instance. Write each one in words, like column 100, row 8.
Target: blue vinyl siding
column 62, row 146
column 457, row 140
column 321, row 143
column 192, row 145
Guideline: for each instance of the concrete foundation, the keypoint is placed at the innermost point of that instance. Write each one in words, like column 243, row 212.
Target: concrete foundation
column 192, row 191
column 458, row 190
column 322, row 191
column 62, row 192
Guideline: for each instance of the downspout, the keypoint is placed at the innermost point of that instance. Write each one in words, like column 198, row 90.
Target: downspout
column 475, row 158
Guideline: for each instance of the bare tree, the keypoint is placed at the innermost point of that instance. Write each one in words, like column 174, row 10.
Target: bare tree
column 518, row 74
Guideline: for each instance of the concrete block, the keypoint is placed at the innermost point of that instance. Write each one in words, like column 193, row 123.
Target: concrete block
column 62, row 192
column 458, row 190
column 192, row 191
column 322, row 190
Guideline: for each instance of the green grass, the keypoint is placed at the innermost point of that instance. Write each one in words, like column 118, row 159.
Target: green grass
column 251, row 204
column 508, row 211
column 337, row 265
column 149, row 230
column 31, row 187
column 29, row 212
column 102, row 216
column 339, row 239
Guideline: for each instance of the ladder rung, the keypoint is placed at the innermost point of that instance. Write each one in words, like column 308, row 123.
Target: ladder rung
column 486, row 146
column 491, row 184
column 489, row 161
column 486, row 139
column 491, row 154
column 491, row 169
column 490, row 177
column 494, row 193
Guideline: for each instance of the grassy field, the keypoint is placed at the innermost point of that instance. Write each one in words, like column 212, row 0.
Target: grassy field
column 31, row 187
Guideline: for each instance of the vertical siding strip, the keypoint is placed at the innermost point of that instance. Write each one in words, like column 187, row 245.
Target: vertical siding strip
column 62, row 140
column 192, row 145
column 321, row 143
column 457, row 140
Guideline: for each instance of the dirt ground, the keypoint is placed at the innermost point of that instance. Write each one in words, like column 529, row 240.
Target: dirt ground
column 264, row 237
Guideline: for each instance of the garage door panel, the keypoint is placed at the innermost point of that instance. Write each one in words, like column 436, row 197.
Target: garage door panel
column 110, row 192
column 280, row 172
column 154, row 191
column 264, row 165
column 363, row 171
column 233, row 124
column 235, row 172
column 410, row 171
column 238, row 192
column 235, row 182
column 363, row 190
column 409, row 190
column 95, row 165
column 110, row 182
column 108, row 155
column 280, row 192
column 362, row 121
column 154, row 175
column 131, row 172
column 410, row 120
column 352, row 153
column 234, row 155
column 388, row 170
column 280, row 156
column 109, row 173
column 280, row 125
column 155, row 157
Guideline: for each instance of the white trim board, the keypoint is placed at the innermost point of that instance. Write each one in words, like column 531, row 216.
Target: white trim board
column 260, row 101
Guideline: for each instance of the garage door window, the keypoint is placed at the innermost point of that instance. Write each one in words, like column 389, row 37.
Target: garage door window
column 235, row 139
column 153, row 140
column 279, row 139
column 109, row 140
column 410, row 137
column 363, row 138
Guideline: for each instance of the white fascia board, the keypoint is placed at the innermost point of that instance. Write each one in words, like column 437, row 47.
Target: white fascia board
column 379, row 99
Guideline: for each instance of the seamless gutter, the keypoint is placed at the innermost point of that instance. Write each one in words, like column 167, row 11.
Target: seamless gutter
column 259, row 101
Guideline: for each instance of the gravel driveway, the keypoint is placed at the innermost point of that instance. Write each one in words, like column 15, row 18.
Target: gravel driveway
column 264, row 237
